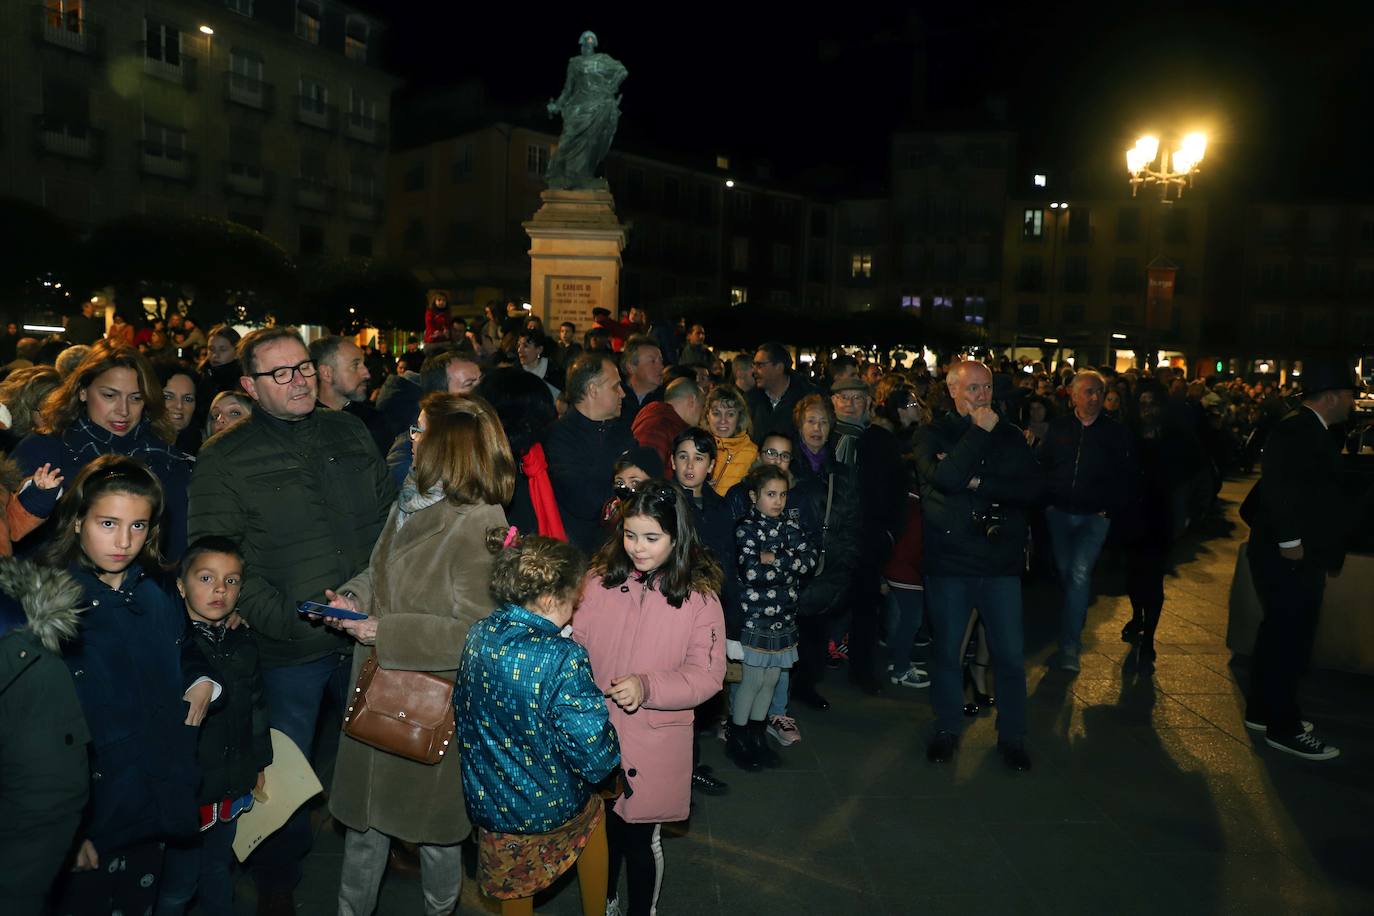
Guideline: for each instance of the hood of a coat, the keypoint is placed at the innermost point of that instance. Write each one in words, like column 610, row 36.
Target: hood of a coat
column 50, row 597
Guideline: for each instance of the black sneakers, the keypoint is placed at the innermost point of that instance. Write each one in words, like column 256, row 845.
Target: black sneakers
column 1014, row 755
column 1305, row 745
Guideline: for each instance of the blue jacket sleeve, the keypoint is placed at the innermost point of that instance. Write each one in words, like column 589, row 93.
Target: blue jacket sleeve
column 585, row 738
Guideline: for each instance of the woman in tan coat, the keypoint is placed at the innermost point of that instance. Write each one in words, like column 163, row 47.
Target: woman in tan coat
column 428, row 581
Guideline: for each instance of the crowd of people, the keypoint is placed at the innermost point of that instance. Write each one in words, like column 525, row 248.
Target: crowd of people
column 608, row 544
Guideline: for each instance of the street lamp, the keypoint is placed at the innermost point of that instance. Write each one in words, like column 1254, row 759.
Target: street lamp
column 1173, row 171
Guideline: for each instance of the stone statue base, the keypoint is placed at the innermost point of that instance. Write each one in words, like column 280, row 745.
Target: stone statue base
column 575, row 245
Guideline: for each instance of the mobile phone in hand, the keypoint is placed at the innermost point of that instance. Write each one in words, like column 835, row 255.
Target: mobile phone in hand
column 315, row 609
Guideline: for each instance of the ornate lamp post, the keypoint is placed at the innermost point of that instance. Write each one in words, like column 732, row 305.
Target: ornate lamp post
column 1174, row 171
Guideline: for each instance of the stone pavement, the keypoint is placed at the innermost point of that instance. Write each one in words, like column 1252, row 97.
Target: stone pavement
column 1148, row 795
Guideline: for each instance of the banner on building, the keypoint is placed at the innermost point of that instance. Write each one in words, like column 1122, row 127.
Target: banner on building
column 1159, row 296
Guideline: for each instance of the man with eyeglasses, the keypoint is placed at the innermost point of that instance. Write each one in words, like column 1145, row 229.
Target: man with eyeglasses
column 776, row 391
column 304, row 494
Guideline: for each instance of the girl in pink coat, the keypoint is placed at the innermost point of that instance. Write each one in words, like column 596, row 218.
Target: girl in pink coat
column 652, row 625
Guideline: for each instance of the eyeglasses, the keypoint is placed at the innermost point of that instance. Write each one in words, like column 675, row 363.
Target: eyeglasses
column 851, row 398
column 416, row 432
column 282, row 375
column 777, row 455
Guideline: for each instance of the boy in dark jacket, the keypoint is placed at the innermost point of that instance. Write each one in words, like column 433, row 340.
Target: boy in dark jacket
column 235, row 745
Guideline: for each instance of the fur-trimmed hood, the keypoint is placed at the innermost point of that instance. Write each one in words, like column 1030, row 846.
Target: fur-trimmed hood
column 50, row 597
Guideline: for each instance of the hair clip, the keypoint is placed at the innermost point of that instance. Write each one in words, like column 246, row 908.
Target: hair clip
column 510, row 536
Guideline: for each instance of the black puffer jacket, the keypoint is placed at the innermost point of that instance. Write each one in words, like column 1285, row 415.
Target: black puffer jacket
column 581, row 454
column 950, row 452
column 234, row 743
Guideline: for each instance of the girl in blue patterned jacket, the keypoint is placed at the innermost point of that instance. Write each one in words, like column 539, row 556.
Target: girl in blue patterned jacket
column 774, row 555
column 534, row 730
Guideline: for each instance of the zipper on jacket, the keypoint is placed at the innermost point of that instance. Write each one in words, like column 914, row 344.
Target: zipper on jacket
column 1073, row 483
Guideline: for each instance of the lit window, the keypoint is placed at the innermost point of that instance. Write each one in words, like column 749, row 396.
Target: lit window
column 911, row 302
column 861, row 264
column 308, row 21
column 722, row 162
column 738, row 295
column 355, row 39
column 1038, row 180
column 1034, row 225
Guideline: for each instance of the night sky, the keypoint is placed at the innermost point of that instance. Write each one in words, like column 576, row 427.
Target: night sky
column 1287, row 102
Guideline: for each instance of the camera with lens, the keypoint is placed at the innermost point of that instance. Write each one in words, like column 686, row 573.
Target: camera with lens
column 990, row 521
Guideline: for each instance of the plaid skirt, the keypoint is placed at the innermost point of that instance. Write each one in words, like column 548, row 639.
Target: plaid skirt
column 513, row 865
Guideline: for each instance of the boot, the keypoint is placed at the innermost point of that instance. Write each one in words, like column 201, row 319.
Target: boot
column 740, row 749
column 758, row 741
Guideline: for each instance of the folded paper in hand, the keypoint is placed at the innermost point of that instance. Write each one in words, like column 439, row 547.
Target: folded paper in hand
column 288, row 783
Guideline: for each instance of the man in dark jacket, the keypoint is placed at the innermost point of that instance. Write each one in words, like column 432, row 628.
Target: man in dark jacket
column 1089, row 464
column 776, row 393
column 978, row 475
column 44, row 774
column 1298, row 520
column 305, row 493
column 343, row 385
column 583, row 445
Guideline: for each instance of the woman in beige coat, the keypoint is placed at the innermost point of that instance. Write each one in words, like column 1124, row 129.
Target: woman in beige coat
column 428, row 581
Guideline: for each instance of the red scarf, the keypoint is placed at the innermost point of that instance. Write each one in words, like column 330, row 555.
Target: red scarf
column 536, row 468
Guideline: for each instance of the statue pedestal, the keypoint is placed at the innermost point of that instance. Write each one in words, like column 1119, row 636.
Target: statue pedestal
column 575, row 245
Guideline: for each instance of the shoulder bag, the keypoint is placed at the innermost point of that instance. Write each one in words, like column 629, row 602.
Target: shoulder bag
column 406, row 713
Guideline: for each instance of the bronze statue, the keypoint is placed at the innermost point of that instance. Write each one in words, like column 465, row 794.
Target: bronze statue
column 590, row 107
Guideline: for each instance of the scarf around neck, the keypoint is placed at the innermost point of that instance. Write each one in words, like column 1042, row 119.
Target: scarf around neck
column 412, row 500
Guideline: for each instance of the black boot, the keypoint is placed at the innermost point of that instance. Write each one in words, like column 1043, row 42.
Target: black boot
column 758, row 741
column 740, row 749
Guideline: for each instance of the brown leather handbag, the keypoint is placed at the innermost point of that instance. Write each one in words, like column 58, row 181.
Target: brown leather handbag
column 407, row 713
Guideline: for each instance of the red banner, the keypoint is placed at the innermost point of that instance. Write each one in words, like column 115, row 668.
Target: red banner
column 1159, row 298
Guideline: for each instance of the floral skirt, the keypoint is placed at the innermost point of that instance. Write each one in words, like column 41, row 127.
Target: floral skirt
column 514, row 865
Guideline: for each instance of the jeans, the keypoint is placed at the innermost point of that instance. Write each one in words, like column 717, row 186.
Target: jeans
column 905, row 612
column 199, row 869
column 1290, row 595
column 295, row 696
column 949, row 602
column 1078, row 541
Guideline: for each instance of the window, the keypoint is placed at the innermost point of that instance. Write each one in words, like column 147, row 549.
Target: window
column 1028, row 314
column 742, row 204
column 63, row 15
column 738, row 295
column 1321, row 277
column 782, row 259
column 163, row 141
column 941, row 303
column 1124, row 313
column 360, row 246
column 1126, row 276
column 313, row 165
column 739, row 253
column 311, row 240
column 66, row 105
column 414, row 179
column 242, row 7
column 1176, row 225
column 911, row 302
column 163, row 43
column 784, row 211
column 1074, row 313
column 246, row 67
column 1031, row 277
column 1076, row 278
column 361, row 109
column 308, row 21
column 414, row 239
column 536, row 159
column 1033, row 224
column 861, row 264
column 1080, row 225
column 245, row 151
column 975, row 309
column 355, row 39
column 706, row 207
column 362, row 183
column 314, row 99
column 1273, row 277
column 1128, row 224
column 722, row 162
column 462, row 162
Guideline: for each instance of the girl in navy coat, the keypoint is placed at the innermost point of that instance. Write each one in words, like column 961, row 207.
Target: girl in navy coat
column 142, row 683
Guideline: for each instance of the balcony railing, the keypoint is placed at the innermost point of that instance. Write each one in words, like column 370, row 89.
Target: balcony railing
column 183, row 72
column 69, row 30
column 314, row 193
column 363, row 205
column 248, row 180
column 62, row 137
column 364, row 129
column 312, row 112
column 249, row 92
column 165, row 160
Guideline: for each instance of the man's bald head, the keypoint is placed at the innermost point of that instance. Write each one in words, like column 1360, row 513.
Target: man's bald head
column 970, row 386
column 684, row 396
